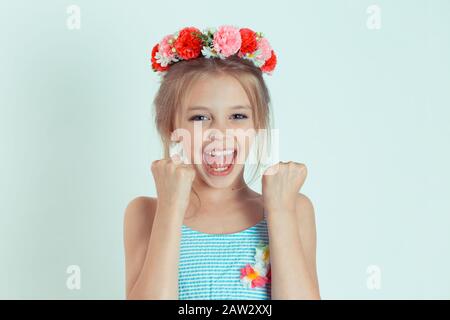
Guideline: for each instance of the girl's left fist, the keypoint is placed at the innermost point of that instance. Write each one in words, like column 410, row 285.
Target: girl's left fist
column 281, row 184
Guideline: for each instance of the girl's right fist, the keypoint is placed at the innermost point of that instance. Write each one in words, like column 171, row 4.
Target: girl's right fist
column 173, row 181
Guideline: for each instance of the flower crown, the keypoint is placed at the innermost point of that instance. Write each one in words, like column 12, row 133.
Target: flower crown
column 225, row 41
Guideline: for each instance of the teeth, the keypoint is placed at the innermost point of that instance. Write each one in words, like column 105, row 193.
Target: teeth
column 214, row 152
column 220, row 169
column 219, row 160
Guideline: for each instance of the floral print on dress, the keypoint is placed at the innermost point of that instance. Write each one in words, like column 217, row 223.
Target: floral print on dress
column 257, row 274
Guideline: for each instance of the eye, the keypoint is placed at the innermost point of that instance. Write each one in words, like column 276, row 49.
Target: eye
column 198, row 117
column 239, row 116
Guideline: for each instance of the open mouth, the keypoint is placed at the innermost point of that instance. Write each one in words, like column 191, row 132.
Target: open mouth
column 219, row 162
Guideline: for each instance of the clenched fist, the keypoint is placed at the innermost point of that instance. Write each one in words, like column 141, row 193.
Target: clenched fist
column 173, row 181
column 281, row 184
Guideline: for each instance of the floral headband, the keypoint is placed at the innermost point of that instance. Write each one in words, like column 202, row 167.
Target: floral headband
column 225, row 41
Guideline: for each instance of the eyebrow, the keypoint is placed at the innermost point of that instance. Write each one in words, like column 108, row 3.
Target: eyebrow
column 206, row 108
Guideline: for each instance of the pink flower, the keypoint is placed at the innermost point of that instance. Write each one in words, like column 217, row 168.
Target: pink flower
column 227, row 40
column 254, row 276
column 265, row 50
column 166, row 53
column 166, row 45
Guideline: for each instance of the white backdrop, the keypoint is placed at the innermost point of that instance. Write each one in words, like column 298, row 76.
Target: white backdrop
column 360, row 95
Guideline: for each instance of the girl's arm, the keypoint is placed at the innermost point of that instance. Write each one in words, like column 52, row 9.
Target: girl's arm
column 292, row 233
column 152, row 237
column 153, row 233
column 293, row 252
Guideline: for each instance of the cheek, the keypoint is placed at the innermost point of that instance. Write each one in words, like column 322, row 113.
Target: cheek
column 187, row 138
column 244, row 124
column 194, row 146
column 244, row 143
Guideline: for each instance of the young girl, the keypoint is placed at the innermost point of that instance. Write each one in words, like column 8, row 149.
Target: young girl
column 208, row 235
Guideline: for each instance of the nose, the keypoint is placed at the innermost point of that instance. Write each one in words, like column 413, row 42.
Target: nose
column 214, row 134
column 218, row 127
column 220, row 138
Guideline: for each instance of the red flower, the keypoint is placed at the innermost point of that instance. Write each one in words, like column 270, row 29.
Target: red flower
column 155, row 65
column 270, row 63
column 248, row 44
column 188, row 44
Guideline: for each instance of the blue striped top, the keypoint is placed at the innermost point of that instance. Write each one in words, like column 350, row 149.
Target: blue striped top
column 210, row 264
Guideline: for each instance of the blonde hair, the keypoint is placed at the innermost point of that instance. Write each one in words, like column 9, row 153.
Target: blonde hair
column 177, row 81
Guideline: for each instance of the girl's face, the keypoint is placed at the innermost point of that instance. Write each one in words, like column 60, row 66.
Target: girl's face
column 219, row 119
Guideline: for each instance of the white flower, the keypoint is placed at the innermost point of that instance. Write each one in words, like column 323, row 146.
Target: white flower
column 164, row 60
column 246, row 282
column 262, row 255
column 261, row 268
column 253, row 57
column 209, row 52
column 255, row 275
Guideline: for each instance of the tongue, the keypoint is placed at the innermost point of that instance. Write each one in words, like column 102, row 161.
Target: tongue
column 218, row 160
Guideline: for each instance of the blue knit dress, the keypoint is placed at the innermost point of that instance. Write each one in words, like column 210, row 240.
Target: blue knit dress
column 211, row 265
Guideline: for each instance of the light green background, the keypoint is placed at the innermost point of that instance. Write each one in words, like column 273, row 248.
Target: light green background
column 366, row 110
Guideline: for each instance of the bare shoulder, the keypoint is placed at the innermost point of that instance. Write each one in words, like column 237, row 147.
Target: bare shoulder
column 139, row 215
column 138, row 221
column 306, row 222
column 305, row 210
